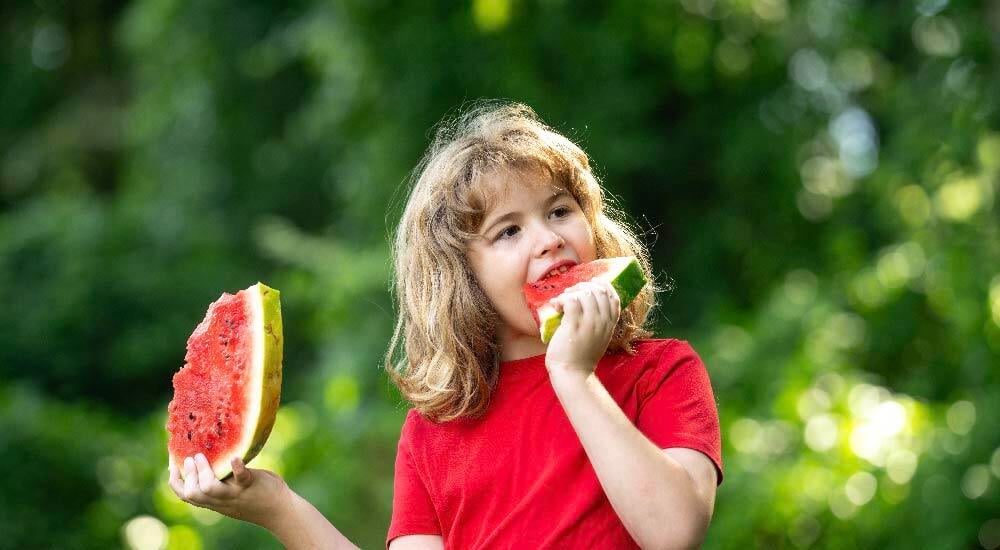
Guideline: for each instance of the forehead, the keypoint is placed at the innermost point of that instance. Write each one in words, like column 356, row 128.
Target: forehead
column 502, row 188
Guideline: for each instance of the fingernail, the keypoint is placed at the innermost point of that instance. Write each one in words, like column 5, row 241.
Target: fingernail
column 189, row 462
column 199, row 456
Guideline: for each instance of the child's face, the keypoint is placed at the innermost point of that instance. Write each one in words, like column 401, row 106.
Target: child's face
column 529, row 229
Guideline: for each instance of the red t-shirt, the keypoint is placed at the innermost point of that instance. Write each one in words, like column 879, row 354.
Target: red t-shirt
column 518, row 477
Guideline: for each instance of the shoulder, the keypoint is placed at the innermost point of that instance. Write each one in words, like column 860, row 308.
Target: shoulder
column 657, row 353
column 659, row 361
column 415, row 427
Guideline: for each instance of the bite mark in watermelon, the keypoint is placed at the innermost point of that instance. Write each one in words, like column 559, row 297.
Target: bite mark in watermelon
column 226, row 396
column 624, row 274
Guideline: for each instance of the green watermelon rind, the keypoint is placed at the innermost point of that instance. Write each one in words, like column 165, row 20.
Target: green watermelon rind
column 626, row 278
column 263, row 409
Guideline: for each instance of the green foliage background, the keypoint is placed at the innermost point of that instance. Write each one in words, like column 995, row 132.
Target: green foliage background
column 818, row 179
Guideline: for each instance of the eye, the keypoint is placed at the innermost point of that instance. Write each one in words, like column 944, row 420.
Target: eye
column 561, row 212
column 508, row 232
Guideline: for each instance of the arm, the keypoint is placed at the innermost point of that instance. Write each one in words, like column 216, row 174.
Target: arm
column 663, row 497
column 301, row 525
column 417, row 542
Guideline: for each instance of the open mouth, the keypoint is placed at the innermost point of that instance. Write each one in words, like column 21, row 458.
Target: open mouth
column 563, row 268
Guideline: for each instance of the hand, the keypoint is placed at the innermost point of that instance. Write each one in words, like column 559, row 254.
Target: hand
column 590, row 314
column 257, row 496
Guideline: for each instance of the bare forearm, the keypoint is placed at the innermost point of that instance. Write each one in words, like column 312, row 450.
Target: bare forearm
column 301, row 526
column 652, row 494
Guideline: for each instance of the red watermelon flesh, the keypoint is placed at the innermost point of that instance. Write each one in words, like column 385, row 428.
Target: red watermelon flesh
column 624, row 274
column 226, row 396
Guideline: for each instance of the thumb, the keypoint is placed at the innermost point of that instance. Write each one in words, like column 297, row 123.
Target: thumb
column 242, row 475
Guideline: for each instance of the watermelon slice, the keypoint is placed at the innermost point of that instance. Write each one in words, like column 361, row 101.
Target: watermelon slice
column 226, row 396
column 624, row 274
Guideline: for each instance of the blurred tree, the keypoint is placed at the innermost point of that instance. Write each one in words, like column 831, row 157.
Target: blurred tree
column 818, row 179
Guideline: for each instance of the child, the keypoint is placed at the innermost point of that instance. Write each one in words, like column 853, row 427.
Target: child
column 600, row 439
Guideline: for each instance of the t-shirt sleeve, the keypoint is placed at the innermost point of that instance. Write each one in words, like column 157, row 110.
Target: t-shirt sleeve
column 677, row 405
column 412, row 510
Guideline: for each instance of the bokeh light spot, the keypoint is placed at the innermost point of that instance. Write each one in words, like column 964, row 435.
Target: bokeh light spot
column 821, row 432
column 936, row 36
column 862, row 398
column 861, row 488
column 746, row 435
column 901, row 464
column 961, row 416
column 841, row 506
column 491, row 15
column 853, row 69
column 914, row 205
column 805, row 530
column 958, row 199
column 995, row 299
column 812, row 402
column 975, row 481
column 814, row 207
column 800, row 286
column 732, row 59
column 988, row 151
column 145, row 533
column 772, row 11
column 182, row 537
column 808, row 69
column 342, row 393
column 50, row 47
column 930, row 7
column 989, row 534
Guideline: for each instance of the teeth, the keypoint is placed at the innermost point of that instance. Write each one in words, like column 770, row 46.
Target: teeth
column 557, row 271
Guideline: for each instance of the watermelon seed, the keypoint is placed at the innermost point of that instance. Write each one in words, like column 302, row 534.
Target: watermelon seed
column 191, row 416
column 208, row 445
column 189, row 436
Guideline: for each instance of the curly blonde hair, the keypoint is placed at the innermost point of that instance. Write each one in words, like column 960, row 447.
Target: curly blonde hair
column 444, row 355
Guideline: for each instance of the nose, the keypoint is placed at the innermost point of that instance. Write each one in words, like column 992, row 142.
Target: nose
column 548, row 242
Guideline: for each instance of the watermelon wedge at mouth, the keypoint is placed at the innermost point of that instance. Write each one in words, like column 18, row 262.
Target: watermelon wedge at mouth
column 624, row 274
column 226, row 396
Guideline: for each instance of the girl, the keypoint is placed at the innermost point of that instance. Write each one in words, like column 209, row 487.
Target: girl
column 601, row 439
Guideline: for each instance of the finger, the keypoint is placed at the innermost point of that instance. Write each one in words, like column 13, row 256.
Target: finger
column 602, row 302
column 612, row 303
column 191, row 491
column 588, row 305
column 613, row 299
column 241, row 474
column 571, row 309
column 206, row 477
column 175, row 481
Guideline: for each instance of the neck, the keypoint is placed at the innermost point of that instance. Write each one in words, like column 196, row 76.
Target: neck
column 514, row 345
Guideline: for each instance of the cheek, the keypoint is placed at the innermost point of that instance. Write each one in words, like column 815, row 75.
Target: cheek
column 584, row 242
column 495, row 274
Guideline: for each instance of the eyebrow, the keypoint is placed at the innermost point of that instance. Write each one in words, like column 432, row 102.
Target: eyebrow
column 510, row 216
